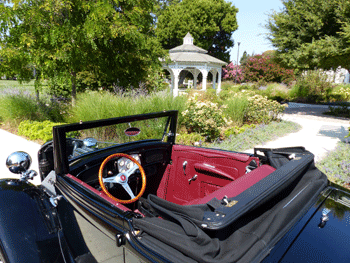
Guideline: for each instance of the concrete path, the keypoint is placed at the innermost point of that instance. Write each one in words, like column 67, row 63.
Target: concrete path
column 10, row 143
column 319, row 134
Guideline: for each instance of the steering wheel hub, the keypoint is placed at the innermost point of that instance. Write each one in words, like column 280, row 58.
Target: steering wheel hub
column 123, row 178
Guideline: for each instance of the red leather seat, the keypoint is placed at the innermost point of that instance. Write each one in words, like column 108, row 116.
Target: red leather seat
column 236, row 187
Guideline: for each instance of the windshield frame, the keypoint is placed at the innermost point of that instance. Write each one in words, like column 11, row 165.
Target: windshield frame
column 61, row 163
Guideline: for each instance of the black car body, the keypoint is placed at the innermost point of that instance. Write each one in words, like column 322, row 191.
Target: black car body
column 188, row 204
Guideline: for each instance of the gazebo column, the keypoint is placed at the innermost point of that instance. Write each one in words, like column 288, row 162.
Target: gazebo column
column 214, row 73
column 219, row 81
column 175, row 82
column 204, row 78
column 195, row 78
column 172, row 80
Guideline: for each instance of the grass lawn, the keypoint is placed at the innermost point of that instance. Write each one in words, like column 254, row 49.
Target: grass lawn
column 16, row 83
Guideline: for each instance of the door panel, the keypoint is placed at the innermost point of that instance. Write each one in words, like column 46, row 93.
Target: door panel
column 197, row 172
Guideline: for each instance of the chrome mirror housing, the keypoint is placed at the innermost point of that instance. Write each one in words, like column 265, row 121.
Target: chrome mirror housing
column 90, row 142
column 19, row 163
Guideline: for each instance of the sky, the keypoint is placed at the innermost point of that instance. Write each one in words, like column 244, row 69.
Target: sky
column 251, row 18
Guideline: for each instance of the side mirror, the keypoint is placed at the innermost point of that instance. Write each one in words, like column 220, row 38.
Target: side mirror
column 19, row 163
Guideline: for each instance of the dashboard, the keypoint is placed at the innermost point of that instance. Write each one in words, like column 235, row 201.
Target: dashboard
column 125, row 164
column 154, row 158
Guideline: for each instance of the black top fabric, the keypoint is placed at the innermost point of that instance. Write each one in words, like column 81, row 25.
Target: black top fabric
column 178, row 238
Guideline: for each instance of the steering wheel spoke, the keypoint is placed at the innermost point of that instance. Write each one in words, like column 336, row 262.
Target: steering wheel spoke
column 128, row 190
column 112, row 179
column 122, row 178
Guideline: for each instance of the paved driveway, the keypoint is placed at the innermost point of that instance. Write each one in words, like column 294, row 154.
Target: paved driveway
column 319, row 134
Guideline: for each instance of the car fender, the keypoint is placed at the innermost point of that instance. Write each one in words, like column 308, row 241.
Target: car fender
column 29, row 227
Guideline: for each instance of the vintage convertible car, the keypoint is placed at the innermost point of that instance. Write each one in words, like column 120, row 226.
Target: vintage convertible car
column 121, row 190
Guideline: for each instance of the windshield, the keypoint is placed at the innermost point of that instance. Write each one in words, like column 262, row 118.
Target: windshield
column 73, row 140
column 87, row 140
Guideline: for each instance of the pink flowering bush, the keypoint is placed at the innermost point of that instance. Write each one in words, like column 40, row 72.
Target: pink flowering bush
column 233, row 72
column 263, row 69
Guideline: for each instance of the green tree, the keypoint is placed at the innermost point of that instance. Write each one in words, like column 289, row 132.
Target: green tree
column 210, row 22
column 161, row 5
column 111, row 40
column 244, row 58
column 312, row 33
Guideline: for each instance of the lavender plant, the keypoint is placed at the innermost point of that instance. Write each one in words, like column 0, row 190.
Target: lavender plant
column 336, row 165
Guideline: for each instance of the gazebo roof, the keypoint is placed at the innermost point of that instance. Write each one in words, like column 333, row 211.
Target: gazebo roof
column 188, row 52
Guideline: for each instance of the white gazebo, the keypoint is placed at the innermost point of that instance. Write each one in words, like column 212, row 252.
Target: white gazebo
column 195, row 60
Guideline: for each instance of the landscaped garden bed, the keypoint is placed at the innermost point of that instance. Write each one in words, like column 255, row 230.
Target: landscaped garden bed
column 240, row 117
column 336, row 164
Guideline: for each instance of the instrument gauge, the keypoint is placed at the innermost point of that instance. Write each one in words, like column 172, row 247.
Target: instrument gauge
column 129, row 165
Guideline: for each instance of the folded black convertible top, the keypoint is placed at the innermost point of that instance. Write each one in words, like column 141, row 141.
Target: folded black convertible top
column 263, row 213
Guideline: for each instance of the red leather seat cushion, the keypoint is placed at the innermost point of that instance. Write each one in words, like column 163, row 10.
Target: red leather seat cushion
column 236, row 187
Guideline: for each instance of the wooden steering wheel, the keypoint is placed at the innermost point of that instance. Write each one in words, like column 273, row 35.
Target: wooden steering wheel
column 122, row 178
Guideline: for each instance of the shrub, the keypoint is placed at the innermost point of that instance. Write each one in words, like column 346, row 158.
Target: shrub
column 190, row 139
column 263, row 110
column 226, row 84
column 36, row 130
column 203, row 117
column 263, row 69
column 207, row 95
column 259, row 109
column 233, row 72
column 340, row 110
column 312, row 87
column 341, row 93
column 275, row 91
column 54, row 110
column 155, row 81
column 238, row 129
column 59, row 86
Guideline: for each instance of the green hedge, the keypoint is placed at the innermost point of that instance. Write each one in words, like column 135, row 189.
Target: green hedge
column 36, row 130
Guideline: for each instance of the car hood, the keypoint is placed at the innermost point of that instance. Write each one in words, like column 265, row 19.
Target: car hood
column 322, row 235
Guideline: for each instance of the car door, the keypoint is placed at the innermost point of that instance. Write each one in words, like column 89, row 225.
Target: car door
column 90, row 224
